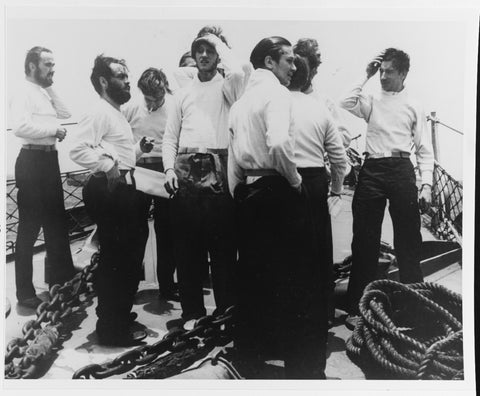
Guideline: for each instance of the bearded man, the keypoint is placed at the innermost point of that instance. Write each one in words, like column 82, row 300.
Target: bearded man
column 106, row 146
column 36, row 110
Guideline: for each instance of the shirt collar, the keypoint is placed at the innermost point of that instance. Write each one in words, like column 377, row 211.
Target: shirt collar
column 392, row 93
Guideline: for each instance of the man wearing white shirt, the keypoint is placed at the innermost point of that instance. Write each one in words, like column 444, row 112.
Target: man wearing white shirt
column 105, row 145
column 277, row 315
column 395, row 122
column 147, row 115
column 36, row 110
column 195, row 161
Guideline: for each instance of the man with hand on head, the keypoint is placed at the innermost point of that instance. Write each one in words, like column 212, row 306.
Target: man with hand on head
column 395, row 122
column 36, row 110
column 147, row 115
column 195, row 161
column 105, row 145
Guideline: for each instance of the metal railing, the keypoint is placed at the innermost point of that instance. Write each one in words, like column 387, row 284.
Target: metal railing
column 78, row 221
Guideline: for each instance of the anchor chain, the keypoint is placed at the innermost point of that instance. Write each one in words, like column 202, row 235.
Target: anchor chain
column 24, row 355
column 176, row 351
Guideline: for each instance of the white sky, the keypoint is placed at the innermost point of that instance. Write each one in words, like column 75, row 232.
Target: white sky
column 436, row 47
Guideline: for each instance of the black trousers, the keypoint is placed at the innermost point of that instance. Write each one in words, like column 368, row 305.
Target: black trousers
column 40, row 204
column 379, row 180
column 279, row 308
column 163, row 234
column 203, row 217
column 119, row 230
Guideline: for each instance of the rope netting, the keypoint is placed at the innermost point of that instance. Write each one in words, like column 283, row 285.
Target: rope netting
column 78, row 220
column 444, row 219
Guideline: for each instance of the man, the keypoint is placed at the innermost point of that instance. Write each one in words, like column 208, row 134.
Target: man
column 36, row 109
column 394, row 122
column 105, row 145
column 308, row 48
column 316, row 134
column 147, row 115
column 276, row 311
column 195, row 160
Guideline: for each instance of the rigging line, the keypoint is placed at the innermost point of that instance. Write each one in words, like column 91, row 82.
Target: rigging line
column 437, row 121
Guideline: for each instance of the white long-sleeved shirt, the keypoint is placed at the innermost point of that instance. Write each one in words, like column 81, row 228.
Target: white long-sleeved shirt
column 199, row 114
column 104, row 135
column 145, row 123
column 315, row 134
column 394, row 122
column 35, row 113
column 336, row 113
column 261, row 131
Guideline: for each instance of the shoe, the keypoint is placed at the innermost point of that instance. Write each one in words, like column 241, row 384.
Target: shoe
column 130, row 338
column 351, row 321
column 32, row 302
column 169, row 296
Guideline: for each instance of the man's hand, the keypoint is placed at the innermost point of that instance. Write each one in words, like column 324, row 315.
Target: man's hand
column 171, row 183
column 60, row 134
column 374, row 65
column 425, row 198
column 146, row 144
column 113, row 177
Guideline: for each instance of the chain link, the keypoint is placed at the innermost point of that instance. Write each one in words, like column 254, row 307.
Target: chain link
column 41, row 334
column 209, row 331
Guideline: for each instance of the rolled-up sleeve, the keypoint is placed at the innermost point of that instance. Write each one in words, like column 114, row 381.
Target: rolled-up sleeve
column 357, row 103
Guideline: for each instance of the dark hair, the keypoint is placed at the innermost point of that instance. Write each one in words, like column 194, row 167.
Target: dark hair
column 184, row 57
column 33, row 56
column 400, row 60
column 308, row 48
column 301, row 76
column 269, row 46
column 153, row 81
column 215, row 30
column 101, row 68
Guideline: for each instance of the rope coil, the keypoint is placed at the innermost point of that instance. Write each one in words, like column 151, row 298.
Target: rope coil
column 409, row 331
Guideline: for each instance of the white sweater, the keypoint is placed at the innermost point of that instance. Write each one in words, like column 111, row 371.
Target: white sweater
column 35, row 112
column 261, row 131
column 145, row 123
column 395, row 121
column 104, row 136
column 315, row 134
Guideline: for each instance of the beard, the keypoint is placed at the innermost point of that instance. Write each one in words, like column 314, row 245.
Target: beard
column 44, row 82
column 118, row 94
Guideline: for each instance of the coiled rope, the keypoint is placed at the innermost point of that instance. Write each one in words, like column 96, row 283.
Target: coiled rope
column 409, row 331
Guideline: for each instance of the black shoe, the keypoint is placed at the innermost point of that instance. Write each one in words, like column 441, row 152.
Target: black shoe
column 32, row 302
column 169, row 296
column 130, row 338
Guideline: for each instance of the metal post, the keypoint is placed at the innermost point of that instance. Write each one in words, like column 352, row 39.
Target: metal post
column 435, row 141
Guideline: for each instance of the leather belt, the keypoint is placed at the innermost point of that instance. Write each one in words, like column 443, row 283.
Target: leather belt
column 149, row 160
column 388, row 154
column 261, row 172
column 40, row 147
column 203, row 150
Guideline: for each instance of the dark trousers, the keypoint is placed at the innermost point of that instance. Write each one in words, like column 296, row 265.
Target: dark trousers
column 379, row 180
column 279, row 308
column 119, row 229
column 163, row 234
column 40, row 204
column 203, row 217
